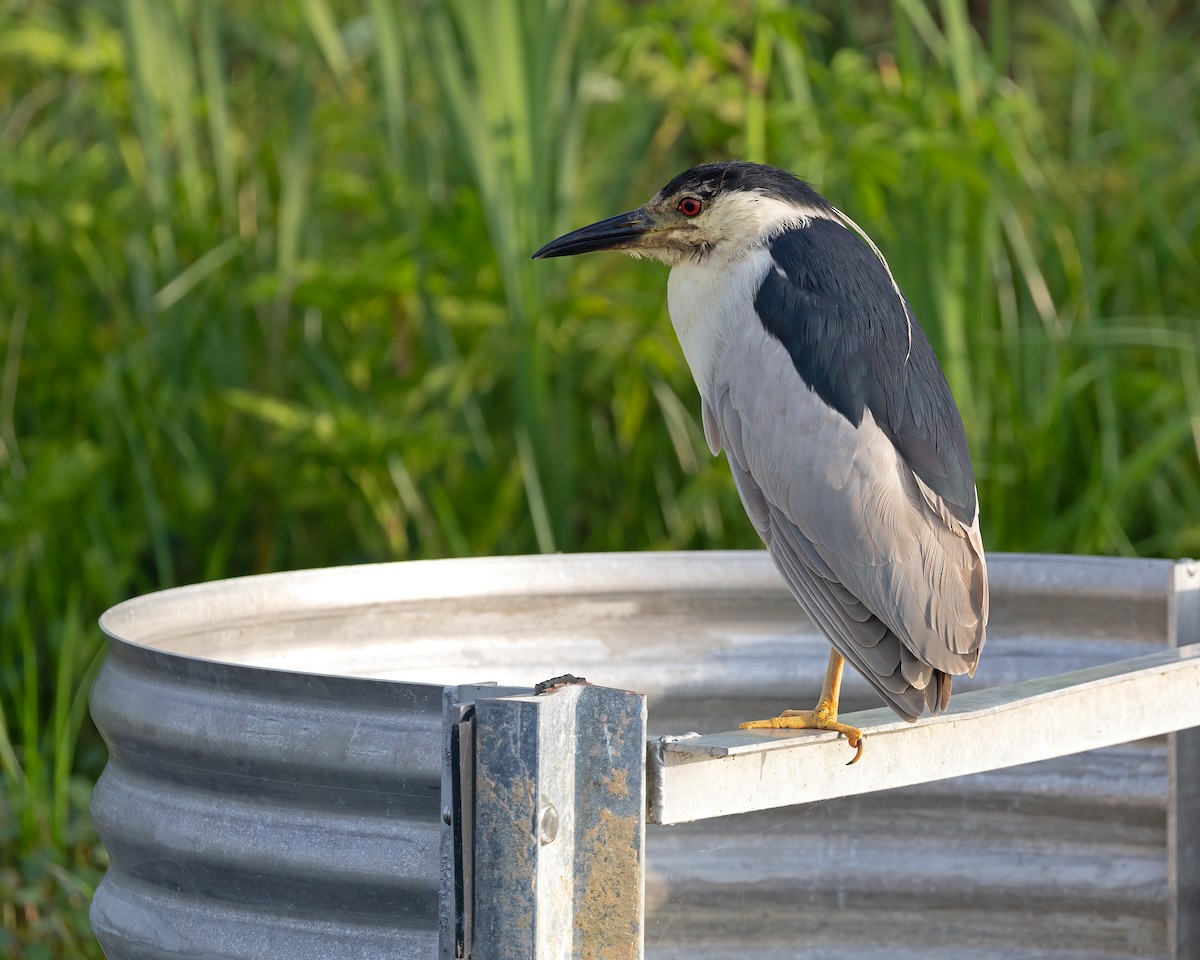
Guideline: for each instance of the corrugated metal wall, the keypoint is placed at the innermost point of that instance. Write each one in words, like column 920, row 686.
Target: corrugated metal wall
column 269, row 813
column 255, row 813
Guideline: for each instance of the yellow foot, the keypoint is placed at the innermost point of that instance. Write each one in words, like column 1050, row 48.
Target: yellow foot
column 810, row 720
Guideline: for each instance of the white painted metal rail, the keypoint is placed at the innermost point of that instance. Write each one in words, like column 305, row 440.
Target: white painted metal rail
column 694, row 778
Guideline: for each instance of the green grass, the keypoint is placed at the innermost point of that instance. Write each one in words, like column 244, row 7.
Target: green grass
column 265, row 301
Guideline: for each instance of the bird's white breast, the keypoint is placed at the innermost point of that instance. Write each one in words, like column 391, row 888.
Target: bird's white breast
column 708, row 300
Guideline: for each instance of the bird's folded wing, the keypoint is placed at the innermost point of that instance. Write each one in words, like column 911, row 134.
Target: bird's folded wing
column 886, row 571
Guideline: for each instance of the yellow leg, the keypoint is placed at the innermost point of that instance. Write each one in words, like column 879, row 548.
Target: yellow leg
column 824, row 717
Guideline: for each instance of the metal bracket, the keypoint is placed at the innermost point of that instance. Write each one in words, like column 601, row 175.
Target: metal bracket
column 462, row 826
column 456, row 912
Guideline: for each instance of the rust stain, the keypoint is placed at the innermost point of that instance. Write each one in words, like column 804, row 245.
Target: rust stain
column 618, row 783
column 607, row 919
column 516, row 868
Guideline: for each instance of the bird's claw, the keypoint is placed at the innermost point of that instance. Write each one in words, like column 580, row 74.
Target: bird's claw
column 822, row 718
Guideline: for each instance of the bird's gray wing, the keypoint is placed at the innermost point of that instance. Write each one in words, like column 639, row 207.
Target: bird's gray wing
column 882, row 565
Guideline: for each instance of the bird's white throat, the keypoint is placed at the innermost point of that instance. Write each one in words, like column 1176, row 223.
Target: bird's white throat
column 706, row 299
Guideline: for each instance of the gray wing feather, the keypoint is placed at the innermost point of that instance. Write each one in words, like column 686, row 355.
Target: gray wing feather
column 874, row 556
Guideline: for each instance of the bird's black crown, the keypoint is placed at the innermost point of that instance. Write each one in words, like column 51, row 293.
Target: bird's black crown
column 710, row 179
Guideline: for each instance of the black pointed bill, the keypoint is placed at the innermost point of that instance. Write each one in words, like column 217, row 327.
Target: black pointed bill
column 622, row 232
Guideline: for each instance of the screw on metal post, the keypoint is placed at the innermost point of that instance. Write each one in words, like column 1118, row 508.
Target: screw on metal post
column 548, row 824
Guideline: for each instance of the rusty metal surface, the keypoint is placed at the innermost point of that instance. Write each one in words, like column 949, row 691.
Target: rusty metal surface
column 226, row 727
column 560, row 801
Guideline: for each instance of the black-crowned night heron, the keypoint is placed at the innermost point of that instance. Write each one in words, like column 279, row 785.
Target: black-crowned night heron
column 845, row 443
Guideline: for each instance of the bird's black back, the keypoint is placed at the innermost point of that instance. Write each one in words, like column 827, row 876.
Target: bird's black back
column 845, row 326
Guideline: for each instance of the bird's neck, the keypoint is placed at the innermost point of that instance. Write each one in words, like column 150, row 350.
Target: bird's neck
column 706, row 299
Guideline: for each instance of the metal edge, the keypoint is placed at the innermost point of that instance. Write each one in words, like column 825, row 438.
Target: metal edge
column 148, row 620
column 1183, row 786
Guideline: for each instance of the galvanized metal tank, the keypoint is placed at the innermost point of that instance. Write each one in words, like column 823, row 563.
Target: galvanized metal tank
column 276, row 753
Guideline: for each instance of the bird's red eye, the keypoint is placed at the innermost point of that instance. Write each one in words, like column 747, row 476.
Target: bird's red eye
column 690, row 206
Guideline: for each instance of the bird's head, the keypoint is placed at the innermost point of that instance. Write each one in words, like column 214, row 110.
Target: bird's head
column 723, row 208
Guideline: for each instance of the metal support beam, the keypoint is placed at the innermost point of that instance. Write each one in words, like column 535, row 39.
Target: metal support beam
column 1183, row 786
column 559, row 830
column 694, row 778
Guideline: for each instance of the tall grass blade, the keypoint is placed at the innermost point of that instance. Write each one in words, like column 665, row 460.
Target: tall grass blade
column 962, row 54
column 391, row 74
column 196, row 273
column 220, row 127
column 62, row 732
column 146, row 36
column 324, row 28
column 538, row 510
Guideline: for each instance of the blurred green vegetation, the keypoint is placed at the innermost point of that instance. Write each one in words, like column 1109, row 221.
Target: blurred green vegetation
column 265, row 301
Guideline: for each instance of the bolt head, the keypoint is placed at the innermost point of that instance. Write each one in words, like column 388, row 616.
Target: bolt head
column 548, row 824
